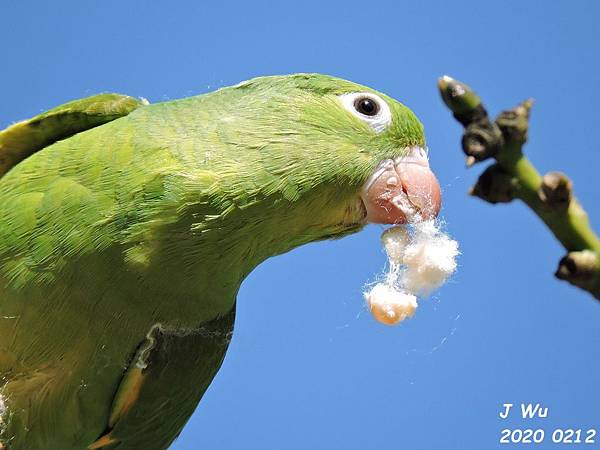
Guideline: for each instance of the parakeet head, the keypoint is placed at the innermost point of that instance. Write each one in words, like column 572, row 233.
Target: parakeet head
column 331, row 153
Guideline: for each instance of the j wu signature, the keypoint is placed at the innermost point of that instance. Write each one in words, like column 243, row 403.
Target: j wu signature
column 528, row 410
column 538, row 435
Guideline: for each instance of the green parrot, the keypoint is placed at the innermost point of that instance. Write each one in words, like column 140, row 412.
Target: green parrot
column 126, row 229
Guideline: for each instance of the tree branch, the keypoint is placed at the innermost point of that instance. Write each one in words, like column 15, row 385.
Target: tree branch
column 513, row 176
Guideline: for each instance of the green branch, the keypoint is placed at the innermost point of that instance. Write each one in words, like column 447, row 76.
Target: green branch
column 513, row 176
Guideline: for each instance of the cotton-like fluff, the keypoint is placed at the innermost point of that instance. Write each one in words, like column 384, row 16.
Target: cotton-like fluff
column 420, row 261
column 395, row 240
column 390, row 305
column 428, row 259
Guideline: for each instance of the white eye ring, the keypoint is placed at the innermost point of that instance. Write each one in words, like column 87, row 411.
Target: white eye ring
column 378, row 121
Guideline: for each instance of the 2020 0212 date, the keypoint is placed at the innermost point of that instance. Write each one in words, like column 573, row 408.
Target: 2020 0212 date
column 537, row 436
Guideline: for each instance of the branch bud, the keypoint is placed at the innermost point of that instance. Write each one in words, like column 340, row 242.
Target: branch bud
column 556, row 190
column 481, row 140
column 514, row 123
column 495, row 185
column 581, row 269
column 461, row 100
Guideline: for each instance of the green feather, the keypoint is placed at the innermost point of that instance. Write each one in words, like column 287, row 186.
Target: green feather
column 22, row 139
column 156, row 217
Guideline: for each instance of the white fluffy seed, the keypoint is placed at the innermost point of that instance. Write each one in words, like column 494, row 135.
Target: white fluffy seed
column 419, row 262
column 390, row 306
column 430, row 259
column 394, row 241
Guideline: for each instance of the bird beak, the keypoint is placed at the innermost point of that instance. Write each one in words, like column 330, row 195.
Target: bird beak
column 402, row 190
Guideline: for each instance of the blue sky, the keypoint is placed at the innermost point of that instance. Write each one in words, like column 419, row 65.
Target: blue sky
column 308, row 368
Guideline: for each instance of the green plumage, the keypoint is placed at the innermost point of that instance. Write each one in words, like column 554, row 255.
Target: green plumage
column 123, row 246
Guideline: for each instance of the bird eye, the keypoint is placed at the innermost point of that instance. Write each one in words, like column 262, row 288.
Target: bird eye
column 366, row 106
